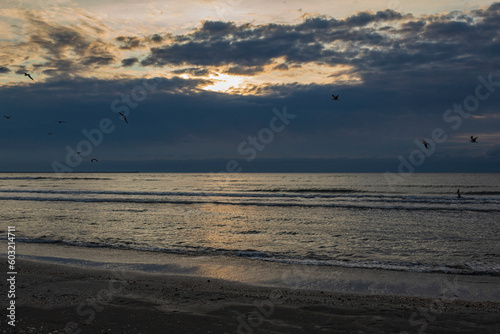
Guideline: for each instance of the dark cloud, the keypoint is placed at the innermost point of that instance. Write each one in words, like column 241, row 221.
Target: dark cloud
column 21, row 69
column 129, row 42
column 67, row 49
column 281, row 67
column 364, row 18
column 220, row 43
column 100, row 61
column 196, row 71
column 244, row 70
column 157, row 38
column 412, row 27
column 57, row 39
column 129, row 61
column 455, row 40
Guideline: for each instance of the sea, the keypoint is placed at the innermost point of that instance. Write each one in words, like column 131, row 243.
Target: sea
column 328, row 220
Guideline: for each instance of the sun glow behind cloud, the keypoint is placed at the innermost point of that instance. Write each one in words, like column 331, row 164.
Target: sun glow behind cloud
column 306, row 74
column 223, row 82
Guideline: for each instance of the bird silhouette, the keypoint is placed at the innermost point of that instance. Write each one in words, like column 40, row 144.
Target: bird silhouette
column 335, row 97
column 94, row 160
column 8, row 117
column 49, row 133
column 472, row 139
column 426, row 144
column 60, row 122
column 125, row 118
column 29, row 76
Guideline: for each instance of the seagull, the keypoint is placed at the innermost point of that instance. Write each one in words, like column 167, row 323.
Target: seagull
column 425, row 143
column 8, row 117
column 335, row 97
column 92, row 160
column 472, row 139
column 60, row 122
column 29, row 76
column 125, row 118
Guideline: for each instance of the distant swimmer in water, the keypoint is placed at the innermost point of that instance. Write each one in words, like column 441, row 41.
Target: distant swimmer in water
column 458, row 194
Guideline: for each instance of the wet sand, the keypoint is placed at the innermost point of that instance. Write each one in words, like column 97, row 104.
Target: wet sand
column 56, row 298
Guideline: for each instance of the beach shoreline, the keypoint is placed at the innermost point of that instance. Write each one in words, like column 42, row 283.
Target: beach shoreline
column 65, row 296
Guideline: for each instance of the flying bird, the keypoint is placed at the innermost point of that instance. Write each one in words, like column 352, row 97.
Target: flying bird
column 29, row 76
column 94, row 160
column 426, row 144
column 335, row 97
column 125, row 118
column 49, row 133
column 472, row 139
column 60, row 122
column 8, row 117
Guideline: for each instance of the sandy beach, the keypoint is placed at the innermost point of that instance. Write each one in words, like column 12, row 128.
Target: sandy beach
column 55, row 298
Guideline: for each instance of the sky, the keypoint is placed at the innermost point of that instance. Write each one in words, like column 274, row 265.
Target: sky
column 246, row 86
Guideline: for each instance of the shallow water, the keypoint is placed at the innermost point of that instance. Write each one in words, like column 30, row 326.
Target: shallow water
column 345, row 220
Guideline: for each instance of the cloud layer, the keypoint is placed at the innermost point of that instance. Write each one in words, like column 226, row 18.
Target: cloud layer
column 397, row 75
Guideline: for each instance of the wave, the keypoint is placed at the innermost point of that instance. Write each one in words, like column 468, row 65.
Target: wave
column 388, row 205
column 311, row 190
column 263, row 194
column 472, row 268
column 148, row 193
column 482, row 193
column 52, row 178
